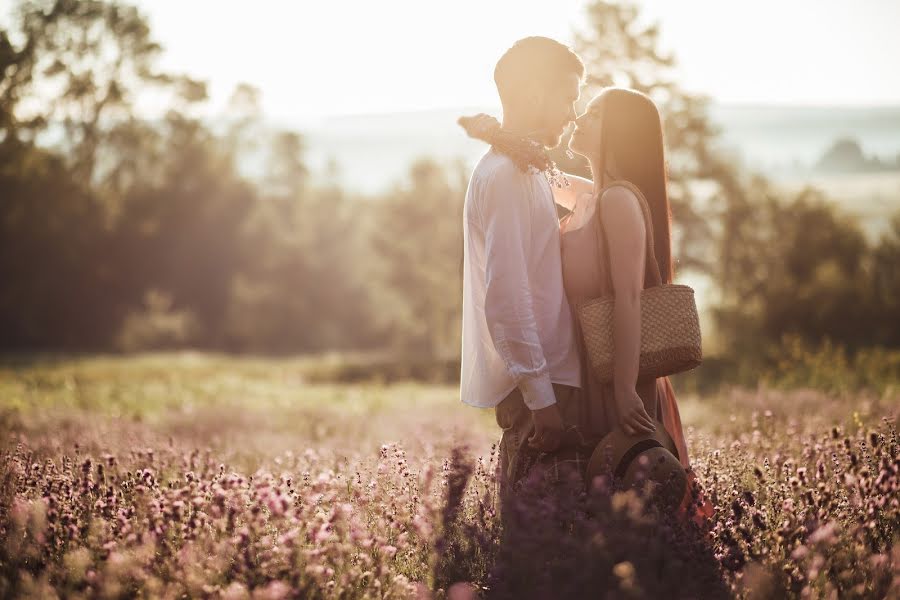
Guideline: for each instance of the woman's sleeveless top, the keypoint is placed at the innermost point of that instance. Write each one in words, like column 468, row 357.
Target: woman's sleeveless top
column 585, row 265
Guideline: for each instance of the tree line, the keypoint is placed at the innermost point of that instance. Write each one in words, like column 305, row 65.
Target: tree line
column 119, row 232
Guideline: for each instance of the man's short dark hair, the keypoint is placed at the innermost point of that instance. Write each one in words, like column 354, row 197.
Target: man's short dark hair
column 536, row 57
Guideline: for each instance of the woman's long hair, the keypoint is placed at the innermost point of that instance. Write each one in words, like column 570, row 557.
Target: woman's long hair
column 631, row 132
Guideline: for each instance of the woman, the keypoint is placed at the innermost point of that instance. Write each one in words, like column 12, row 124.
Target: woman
column 620, row 134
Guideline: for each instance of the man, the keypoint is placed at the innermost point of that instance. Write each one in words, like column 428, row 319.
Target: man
column 518, row 346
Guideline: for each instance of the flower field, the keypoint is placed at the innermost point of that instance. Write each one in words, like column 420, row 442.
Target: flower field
column 198, row 476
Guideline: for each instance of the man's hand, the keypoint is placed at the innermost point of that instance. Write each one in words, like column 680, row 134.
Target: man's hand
column 548, row 428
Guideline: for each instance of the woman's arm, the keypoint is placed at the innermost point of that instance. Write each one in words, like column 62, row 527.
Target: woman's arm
column 623, row 224
column 566, row 197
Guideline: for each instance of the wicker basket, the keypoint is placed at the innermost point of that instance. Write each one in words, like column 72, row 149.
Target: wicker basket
column 670, row 325
column 670, row 332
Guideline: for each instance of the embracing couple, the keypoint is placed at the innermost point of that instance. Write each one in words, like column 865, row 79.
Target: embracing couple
column 525, row 270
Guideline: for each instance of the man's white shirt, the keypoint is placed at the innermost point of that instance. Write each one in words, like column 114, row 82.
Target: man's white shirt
column 517, row 327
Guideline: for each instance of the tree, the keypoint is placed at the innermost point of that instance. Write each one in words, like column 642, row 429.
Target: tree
column 50, row 232
column 89, row 219
column 886, row 285
column 418, row 237
column 808, row 271
column 618, row 50
column 81, row 65
column 184, row 234
column 778, row 265
column 304, row 283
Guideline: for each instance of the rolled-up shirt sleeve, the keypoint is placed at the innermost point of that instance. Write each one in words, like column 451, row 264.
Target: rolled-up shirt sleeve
column 508, row 305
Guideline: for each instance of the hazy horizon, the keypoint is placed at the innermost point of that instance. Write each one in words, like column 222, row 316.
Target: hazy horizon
column 768, row 138
column 496, row 109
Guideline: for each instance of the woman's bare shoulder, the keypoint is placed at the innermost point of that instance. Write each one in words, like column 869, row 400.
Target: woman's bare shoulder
column 621, row 198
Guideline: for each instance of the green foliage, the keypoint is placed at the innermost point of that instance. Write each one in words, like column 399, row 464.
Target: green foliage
column 120, row 210
column 800, row 267
column 51, row 255
column 830, row 368
column 794, row 265
column 418, row 234
column 118, row 233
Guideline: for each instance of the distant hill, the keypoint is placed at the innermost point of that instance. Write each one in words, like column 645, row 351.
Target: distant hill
column 846, row 155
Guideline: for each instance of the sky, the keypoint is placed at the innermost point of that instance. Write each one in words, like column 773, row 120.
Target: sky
column 349, row 57
column 332, row 57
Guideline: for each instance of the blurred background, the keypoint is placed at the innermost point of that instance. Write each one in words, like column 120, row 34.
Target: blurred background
column 287, row 178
